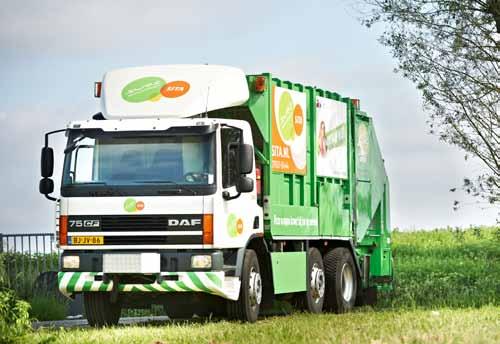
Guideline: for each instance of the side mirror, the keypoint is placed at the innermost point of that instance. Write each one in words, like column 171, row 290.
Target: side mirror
column 46, row 186
column 245, row 184
column 47, row 162
column 246, row 159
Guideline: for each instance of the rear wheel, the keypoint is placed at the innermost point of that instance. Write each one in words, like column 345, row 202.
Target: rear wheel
column 341, row 280
column 312, row 300
column 246, row 308
column 99, row 309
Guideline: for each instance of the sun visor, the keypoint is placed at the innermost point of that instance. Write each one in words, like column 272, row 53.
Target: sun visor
column 171, row 91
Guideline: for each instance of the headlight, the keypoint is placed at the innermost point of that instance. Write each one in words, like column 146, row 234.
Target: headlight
column 201, row 262
column 71, row 262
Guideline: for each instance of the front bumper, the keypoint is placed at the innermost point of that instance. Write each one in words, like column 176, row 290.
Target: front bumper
column 211, row 282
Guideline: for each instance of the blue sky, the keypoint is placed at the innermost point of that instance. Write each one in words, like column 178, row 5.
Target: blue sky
column 51, row 52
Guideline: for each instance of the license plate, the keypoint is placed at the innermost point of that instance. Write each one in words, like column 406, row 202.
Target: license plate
column 87, row 240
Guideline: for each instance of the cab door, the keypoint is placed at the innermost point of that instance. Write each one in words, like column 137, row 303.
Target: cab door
column 237, row 215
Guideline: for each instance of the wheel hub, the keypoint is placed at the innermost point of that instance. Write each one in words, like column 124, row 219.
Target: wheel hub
column 254, row 288
column 317, row 283
column 347, row 282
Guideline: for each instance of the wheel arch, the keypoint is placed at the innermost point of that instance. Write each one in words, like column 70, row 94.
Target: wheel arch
column 259, row 245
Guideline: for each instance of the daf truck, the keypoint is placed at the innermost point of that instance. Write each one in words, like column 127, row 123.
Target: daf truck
column 209, row 191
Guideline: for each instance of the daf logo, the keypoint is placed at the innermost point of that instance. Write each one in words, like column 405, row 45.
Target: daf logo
column 184, row 222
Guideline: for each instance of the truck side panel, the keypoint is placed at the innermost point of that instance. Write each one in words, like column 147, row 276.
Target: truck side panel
column 292, row 210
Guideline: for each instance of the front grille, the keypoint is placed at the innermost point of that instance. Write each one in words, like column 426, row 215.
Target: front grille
column 121, row 223
column 154, row 240
column 132, row 225
column 135, row 223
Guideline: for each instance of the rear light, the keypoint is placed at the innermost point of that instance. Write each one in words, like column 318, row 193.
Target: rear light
column 208, row 229
column 260, row 84
column 97, row 89
column 63, row 230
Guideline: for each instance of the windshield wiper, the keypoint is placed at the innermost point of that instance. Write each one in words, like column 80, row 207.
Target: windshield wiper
column 180, row 186
column 72, row 147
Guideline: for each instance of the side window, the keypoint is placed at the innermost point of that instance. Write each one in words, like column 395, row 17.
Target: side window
column 230, row 138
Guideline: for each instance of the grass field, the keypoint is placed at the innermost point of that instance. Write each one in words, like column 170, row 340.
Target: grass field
column 447, row 290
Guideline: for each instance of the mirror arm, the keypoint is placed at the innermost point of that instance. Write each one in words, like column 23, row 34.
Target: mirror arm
column 50, row 198
column 50, row 133
column 227, row 197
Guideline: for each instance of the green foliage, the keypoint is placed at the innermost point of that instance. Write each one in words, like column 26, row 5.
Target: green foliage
column 18, row 271
column 48, row 308
column 14, row 316
column 3, row 272
column 446, row 268
column 450, row 50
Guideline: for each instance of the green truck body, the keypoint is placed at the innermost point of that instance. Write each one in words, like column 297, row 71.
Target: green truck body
column 354, row 208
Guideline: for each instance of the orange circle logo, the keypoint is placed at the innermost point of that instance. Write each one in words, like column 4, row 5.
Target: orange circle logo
column 239, row 226
column 175, row 89
column 298, row 119
column 139, row 205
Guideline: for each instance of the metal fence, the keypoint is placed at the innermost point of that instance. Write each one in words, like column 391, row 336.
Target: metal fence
column 24, row 257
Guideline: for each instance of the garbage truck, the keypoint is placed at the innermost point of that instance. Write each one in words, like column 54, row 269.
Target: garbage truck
column 208, row 191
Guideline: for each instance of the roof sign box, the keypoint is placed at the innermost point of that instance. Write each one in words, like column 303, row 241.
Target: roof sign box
column 171, row 90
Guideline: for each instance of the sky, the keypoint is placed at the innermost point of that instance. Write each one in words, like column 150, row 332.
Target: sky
column 51, row 52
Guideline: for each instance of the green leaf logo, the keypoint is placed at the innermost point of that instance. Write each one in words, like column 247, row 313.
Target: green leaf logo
column 285, row 117
column 130, row 205
column 234, row 225
column 143, row 89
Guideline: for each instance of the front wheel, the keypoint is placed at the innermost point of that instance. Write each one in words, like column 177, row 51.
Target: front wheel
column 99, row 309
column 341, row 280
column 246, row 308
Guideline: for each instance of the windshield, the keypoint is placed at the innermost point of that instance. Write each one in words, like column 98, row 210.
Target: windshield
column 180, row 161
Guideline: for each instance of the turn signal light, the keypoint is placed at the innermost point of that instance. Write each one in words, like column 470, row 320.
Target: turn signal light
column 63, row 230
column 208, row 229
column 260, row 84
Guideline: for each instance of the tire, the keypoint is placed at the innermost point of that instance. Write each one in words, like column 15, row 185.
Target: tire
column 99, row 309
column 247, row 307
column 312, row 300
column 341, row 280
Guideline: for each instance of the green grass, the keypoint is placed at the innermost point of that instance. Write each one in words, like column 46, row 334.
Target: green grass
column 446, row 290
column 364, row 326
column 446, row 268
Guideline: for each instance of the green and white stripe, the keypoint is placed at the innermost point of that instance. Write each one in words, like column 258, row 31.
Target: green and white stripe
column 211, row 282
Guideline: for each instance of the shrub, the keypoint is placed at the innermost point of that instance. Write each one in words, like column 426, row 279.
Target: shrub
column 14, row 316
column 48, row 308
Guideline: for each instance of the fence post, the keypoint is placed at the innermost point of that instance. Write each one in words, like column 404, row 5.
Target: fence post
column 1, row 242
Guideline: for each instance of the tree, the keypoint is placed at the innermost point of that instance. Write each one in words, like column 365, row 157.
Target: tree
column 451, row 50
